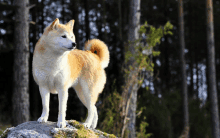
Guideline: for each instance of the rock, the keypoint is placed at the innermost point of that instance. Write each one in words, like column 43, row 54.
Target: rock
column 33, row 129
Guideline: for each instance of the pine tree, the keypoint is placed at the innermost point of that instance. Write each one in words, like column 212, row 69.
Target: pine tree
column 211, row 70
column 183, row 68
column 20, row 97
column 134, row 24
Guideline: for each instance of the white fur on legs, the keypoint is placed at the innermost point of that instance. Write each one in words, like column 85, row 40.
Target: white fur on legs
column 95, row 118
column 88, row 103
column 89, row 119
column 63, row 96
column 45, row 96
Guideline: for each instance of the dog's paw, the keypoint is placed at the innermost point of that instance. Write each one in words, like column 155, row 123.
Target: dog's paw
column 86, row 125
column 42, row 119
column 93, row 126
column 61, row 124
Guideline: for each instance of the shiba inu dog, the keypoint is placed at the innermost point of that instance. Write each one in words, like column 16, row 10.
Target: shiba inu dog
column 57, row 66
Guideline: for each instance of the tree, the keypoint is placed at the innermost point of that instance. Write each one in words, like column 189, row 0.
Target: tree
column 183, row 67
column 211, row 70
column 20, row 97
column 34, row 90
column 86, row 6
column 133, row 34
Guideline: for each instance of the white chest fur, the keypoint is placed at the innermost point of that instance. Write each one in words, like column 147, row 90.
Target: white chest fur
column 49, row 70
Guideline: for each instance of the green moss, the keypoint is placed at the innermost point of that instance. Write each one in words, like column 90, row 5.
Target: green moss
column 4, row 133
column 97, row 133
column 74, row 123
column 82, row 132
column 64, row 134
column 112, row 136
column 3, row 127
column 60, row 134
column 105, row 134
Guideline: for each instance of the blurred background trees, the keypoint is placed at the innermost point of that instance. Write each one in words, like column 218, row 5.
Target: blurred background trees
column 159, row 110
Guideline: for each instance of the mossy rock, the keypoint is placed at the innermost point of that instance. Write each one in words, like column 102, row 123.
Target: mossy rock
column 5, row 133
column 84, row 132
column 49, row 129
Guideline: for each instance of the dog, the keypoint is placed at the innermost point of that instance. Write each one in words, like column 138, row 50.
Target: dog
column 58, row 65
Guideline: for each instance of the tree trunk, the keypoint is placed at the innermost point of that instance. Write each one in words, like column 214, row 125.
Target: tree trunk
column 42, row 17
column 34, row 89
column 63, row 11
column 20, row 97
column 119, row 20
column 211, row 69
column 183, row 67
column 191, row 48
column 134, row 25
column 75, row 13
column 105, row 39
column 86, row 6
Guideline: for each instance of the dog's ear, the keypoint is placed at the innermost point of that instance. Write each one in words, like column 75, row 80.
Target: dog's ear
column 71, row 24
column 54, row 24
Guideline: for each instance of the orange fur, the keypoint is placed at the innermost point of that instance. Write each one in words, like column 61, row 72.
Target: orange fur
column 87, row 65
column 101, row 49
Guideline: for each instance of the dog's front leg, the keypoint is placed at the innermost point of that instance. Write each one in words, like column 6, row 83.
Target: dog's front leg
column 63, row 96
column 45, row 96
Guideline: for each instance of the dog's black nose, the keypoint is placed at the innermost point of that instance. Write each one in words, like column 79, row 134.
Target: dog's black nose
column 74, row 44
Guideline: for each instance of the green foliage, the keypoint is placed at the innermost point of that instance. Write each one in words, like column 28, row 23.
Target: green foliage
column 142, row 133
column 156, row 53
column 113, row 121
column 160, row 113
column 163, row 114
column 199, row 118
column 111, row 109
column 153, row 37
column 168, row 26
column 112, row 106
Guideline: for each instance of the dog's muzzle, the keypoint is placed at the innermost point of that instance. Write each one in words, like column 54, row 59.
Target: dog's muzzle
column 73, row 46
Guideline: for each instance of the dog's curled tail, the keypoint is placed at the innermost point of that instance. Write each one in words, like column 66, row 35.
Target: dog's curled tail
column 101, row 48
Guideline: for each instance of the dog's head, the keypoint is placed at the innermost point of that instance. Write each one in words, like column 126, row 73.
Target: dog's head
column 60, row 37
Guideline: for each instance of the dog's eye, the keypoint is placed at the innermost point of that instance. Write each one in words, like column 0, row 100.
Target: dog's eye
column 64, row 36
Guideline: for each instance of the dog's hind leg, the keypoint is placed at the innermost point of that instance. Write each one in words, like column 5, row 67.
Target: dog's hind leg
column 95, row 118
column 87, row 102
column 79, row 90
column 45, row 96
column 90, row 116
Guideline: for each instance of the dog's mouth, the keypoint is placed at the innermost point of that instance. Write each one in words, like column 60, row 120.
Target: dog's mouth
column 70, row 48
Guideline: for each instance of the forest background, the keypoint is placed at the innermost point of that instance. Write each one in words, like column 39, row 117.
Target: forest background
column 160, row 110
